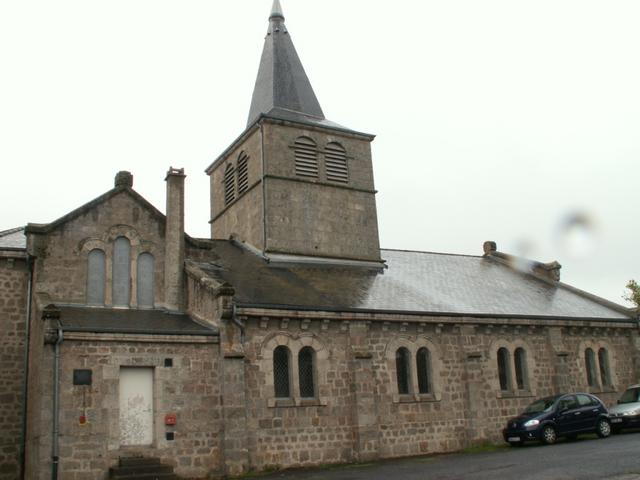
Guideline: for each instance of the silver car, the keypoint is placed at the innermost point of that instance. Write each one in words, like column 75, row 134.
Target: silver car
column 626, row 414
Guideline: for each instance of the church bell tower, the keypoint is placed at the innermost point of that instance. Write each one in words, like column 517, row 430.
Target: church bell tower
column 294, row 185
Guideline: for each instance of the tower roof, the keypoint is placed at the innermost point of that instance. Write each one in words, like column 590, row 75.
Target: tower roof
column 282, row 83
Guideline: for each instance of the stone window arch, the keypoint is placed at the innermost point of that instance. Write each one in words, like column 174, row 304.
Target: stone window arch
column 121, row 275
column 306, row 157
column 504, row 369
column 603, row 362
column 145, row 280
column 96, row 277
column 336, row 168
column 403, row 371
column 414, row 365
column 423, row 369
column 512, row 365
column 306, row 366
column 590, row 366
column 282, row 372
column 520, row 364
column 306, row 372
column 243, row 173
column 599, row 366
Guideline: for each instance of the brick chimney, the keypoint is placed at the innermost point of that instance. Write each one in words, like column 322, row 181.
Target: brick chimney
column 174, row 241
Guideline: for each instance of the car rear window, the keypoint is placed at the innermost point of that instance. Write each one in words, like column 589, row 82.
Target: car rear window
column 586, row 401
column 630, row 395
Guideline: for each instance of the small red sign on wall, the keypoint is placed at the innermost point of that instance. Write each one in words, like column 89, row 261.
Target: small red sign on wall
column 170, row 419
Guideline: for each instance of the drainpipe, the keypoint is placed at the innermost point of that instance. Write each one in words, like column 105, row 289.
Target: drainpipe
column 25, row 389
column 55, row 457
column 238, row 323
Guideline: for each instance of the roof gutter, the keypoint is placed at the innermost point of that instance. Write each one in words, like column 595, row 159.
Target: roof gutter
column 430, row 314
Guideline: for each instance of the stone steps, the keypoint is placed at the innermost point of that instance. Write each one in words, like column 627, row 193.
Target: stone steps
column 140, row 468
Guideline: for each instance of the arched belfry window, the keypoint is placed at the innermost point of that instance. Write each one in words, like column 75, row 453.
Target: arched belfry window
column 520, row 360
column 336, row 163
column 306, row 372
column 243, row 173
column 590, row 364
column 504, row 372
column 423, row 364
column 603, row 360
column 403, row 370
column 145, row 280
column 281, row 372
column 121, row 272
column 96, row 277
column 229, row 185
column 306, row 153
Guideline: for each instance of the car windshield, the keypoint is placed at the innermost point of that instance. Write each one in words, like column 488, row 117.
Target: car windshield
column 542, row 405
column 630, row 396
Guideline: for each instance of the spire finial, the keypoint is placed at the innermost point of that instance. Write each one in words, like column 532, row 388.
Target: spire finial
column 276, row 10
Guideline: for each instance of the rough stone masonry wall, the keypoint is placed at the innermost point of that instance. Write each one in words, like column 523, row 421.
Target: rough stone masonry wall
column 359, row 415
column 13, row 301
column 190, row 389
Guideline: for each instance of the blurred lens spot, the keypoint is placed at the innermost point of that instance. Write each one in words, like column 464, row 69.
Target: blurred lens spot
column 577, row 234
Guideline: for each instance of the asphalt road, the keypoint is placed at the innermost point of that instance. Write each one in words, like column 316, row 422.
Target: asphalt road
column 614, row 458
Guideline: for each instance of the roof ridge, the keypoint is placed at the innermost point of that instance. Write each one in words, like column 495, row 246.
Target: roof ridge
column 431, row 253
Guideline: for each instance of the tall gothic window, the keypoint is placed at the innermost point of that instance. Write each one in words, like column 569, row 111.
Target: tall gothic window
column 603, row 360
column 306, row 154
column 243, row 173
column 504, row 373
column 306, row 362
column 122, row 272
column 336, row 163
column 403, row 370
column 520, row 359
column 96, row 277
column 281, row 372
column 423, row 364
column 145, row 283
column 590, row 364
column 229, row 185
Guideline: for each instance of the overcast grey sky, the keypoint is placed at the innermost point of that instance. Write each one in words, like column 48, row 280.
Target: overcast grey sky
column 496, row 120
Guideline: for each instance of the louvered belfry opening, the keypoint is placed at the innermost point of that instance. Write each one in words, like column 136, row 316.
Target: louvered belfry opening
column 336, row 163
column 243, row 173
column 306, row 152
column 229, row 185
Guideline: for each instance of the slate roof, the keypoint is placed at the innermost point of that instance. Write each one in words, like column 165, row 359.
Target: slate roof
column 413, row 283
column 13, row 239
column 150, row 322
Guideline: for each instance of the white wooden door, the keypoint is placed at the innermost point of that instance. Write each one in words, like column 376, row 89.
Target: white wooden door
column 136, row 406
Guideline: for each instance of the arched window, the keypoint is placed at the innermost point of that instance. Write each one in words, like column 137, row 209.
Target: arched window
column 95, row 277
column 403, row 370
column 145, row 281
column 520, row 359
column 229, row 185
column 603, row 360
column 306, row 153
column 423, row 364
column 281, row 373
column 336, row 163
column 590, row 364
column 504, row 373
column 121, row 272
column 243, row 173
column 306, row 372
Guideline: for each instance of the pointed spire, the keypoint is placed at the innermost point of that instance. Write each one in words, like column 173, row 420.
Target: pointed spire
column 282, row 82
column 276, row 10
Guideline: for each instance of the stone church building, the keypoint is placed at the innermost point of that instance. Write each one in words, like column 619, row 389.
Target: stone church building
column 287, row 339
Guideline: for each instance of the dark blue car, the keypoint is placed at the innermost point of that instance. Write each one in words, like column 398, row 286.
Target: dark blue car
column 566, row 415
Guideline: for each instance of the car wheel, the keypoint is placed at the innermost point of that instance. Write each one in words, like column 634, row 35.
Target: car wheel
column 549, row 435
column 603, row 428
